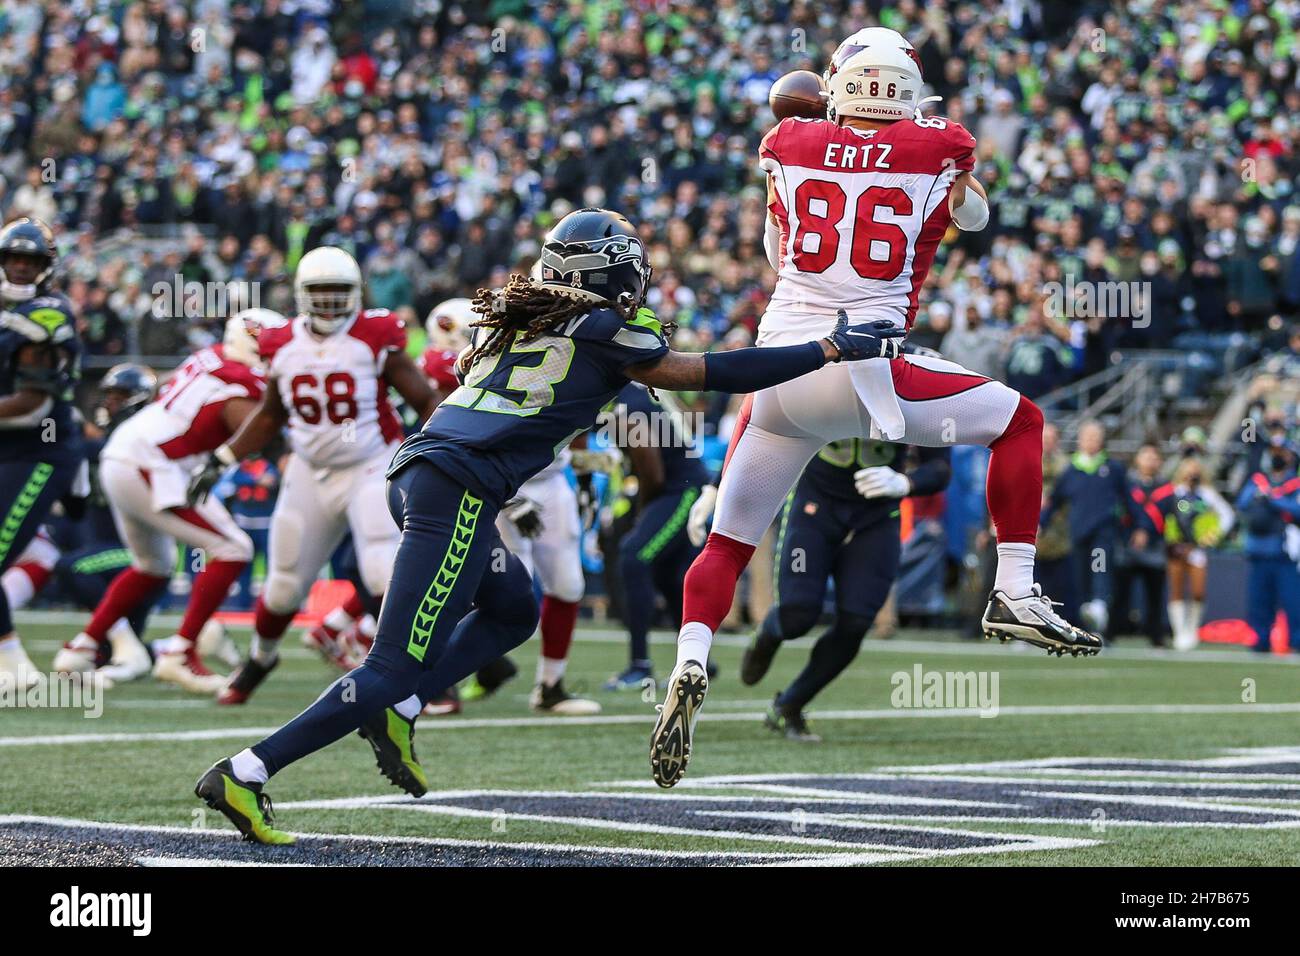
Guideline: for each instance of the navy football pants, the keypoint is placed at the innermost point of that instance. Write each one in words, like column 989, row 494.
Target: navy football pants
column 816, row 542
column 655, row 555
column 457, row 599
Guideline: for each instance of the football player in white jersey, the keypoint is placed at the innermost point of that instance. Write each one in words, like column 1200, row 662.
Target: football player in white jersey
column 857, row 205
column 143, row 471
column 328, row 374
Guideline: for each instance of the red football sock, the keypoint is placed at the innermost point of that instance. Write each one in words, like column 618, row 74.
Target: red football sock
column 1015, row 476
column 354, row 607
column 711, row 582
column 210, row 588
column 123, row 596
column 558, row 618
column 268, row 624
column 36, row 572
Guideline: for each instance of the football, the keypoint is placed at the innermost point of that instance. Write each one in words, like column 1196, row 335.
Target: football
column 800, row 93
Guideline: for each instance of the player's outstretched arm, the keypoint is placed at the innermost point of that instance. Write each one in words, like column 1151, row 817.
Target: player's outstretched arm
column 754, row 369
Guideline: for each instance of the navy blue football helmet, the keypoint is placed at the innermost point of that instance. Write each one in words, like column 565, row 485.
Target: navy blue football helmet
column 29, row 238
column 594, row 254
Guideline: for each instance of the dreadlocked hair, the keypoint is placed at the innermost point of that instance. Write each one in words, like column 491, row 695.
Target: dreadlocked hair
column 523, row 311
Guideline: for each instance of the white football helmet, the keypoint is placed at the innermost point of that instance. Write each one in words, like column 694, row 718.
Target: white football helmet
column 874, row 74
column 448, row 324
column 239, row 344
column 327, row 288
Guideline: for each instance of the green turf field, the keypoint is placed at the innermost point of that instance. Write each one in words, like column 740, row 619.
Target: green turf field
column 1127, row 759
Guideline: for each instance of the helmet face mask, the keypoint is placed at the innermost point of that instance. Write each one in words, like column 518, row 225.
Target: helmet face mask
column 327, row 289
column 27, row 258
column 594, row 255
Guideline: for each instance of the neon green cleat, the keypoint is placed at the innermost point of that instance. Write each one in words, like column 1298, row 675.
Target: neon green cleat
column 243, row 804
column 392, row 737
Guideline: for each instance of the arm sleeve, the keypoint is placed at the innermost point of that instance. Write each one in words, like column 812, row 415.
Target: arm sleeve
column 753, row 369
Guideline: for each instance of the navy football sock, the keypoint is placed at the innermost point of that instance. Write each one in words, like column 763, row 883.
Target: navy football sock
column 342, row 708
column 832, row 653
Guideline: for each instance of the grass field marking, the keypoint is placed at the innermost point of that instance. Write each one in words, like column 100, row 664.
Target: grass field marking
column 474, row 723
column 1235, row 757
column 781, row 795
column 227, row 835
column 886, row 852
column 1182, row 803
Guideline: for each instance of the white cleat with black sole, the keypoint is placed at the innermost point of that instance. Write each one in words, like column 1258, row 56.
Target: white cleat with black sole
column 1033, row 620
column 670, row 744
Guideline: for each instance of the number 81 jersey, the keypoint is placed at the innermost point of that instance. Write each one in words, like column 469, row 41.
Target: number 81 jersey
column 860, row 212
column 333, row 386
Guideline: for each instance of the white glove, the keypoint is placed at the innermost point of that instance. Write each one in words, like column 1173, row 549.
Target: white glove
column 882, row 482
column 697, row 523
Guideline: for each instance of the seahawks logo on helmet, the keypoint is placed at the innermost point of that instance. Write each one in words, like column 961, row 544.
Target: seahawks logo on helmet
column 594, row 254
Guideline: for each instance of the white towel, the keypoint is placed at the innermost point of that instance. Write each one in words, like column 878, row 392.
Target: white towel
column 168, row 484
column 874, row 383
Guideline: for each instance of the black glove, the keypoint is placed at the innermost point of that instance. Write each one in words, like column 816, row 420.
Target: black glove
column 878, row 339
column 202, row 479
column 525, row 514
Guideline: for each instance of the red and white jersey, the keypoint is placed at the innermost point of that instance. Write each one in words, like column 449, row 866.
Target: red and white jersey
column 333, row 387
column 439, row 367
column 185, row 421
column 860, row 212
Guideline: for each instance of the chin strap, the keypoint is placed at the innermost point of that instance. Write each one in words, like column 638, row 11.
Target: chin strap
column 916, row 114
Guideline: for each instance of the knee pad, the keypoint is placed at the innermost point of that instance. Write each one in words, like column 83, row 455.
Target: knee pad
column 282, row 593
column 375, row 562
column 796, row 620
column 566, row 581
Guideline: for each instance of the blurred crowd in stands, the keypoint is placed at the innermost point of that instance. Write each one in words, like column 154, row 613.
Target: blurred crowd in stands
column 1146, row 142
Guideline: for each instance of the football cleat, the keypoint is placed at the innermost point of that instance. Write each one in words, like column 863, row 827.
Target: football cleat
column 392, row 737
column 554, row 699
column 16, row 668
column 184, row 668
column 445, row 706
column 215, row 641
column 244, row 680
column 670, row 743
column 78, row 656
column 130, row 660
column 757, row 659
column 1032, row 620
column 243, row 804
column 327, row 642
column 789, row 722
column 489, row 679
column 632, row 678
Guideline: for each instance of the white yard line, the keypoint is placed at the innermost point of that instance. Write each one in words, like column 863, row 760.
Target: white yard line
column 456, row 723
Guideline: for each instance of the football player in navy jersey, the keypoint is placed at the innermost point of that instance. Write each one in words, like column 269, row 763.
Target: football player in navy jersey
column 40, row 437
column 549, row 352
column 657, row 551
column 841, row 522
